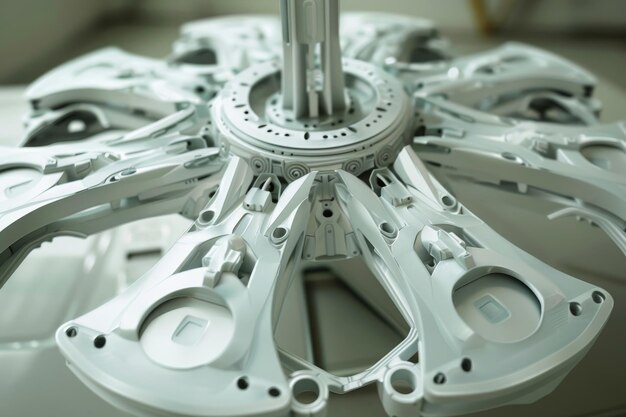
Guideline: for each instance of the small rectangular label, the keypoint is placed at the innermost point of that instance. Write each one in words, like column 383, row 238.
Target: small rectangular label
column 190, row 331
column 491, row 309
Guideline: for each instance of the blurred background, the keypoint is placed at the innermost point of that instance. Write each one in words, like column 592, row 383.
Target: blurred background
column 37, row 35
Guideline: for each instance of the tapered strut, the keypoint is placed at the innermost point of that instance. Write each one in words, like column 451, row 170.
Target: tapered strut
column 312, row 79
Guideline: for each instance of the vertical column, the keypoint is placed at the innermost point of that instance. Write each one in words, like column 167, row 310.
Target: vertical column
column 333, row 92
column 312, row 70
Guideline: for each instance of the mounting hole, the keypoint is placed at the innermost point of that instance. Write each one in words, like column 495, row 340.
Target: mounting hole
column 510, row 156
column 242, row 383
column 575, row 308
column 279, row 234
column 466, row 364
column 448, row 201
column 598, row 297
column 99, row 342
column 327, row 213
column 274, row 392
column 71, row 332
column 207, row 216
column 439, row 379
column 403, row 381
column 387, row 229
column 306, row 391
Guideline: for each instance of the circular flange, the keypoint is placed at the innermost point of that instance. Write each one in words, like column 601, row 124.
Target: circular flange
column 378, row 119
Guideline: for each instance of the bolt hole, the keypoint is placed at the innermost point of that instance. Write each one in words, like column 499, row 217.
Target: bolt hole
column 598, row 297
column 306, row 391
column 71, row 332
column 207, row 216
column 387, row 229
column 509, row 156
column 76, row 126
column 466, row 364
column 274, row 392
column 575, row 308
column 439, row 379
column 447, row 201
column 279, row 233
column 99, row 342
column 242, row 383
column 403, row 381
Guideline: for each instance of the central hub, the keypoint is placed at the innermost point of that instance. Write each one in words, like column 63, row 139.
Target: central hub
column 368, row 134
column 318, row 112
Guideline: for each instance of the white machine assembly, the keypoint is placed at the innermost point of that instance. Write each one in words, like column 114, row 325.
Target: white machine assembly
column 289, row 154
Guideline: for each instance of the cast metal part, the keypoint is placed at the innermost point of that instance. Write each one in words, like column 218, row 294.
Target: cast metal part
column 289, row 166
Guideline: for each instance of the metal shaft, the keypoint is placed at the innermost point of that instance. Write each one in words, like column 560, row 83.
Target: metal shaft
column 313, row 80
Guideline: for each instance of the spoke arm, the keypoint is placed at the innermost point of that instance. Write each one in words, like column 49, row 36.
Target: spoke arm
column 49, row 205
column 226, row 278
